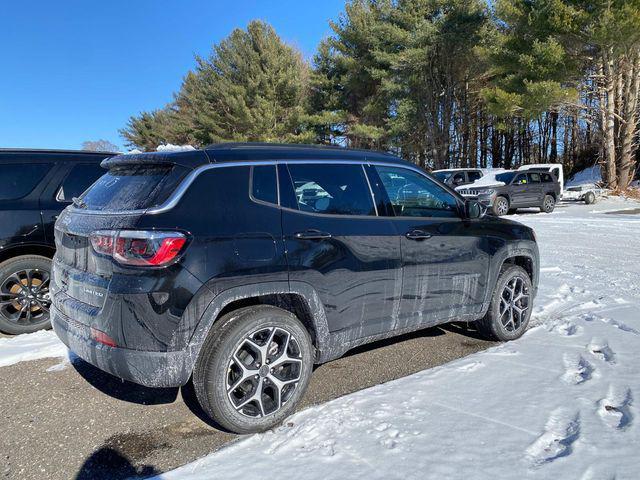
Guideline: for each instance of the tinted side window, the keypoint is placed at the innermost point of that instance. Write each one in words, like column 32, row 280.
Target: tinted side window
column 331, row 189
column 473, row 176
column 534, row 177
column 521, row 179
column 546, row 178
column 413, row 195
column 19, row 179
column 264, row 185
column 78, row 180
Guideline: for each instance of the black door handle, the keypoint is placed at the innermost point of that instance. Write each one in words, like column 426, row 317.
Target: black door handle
column 418, row 235
column 312, row 235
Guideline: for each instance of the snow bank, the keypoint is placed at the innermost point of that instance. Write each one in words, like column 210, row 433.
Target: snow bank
column 588, row 176
column 30, row 346
column 174, row 148
column 558, row 403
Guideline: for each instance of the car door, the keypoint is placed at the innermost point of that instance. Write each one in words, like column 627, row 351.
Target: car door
column 336, row 242
column 444, row 259
column 520, row 190
column 535, row 192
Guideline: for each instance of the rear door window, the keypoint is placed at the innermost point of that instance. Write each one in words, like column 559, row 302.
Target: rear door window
column 78, row 180
column 133, row 187
column 19, row 179
column 264, row 186
column 534, row 178
column 331, row 189
column 546, row 178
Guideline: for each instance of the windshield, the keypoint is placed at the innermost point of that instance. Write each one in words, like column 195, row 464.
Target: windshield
column 505, row 177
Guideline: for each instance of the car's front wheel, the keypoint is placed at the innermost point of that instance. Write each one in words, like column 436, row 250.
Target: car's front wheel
column 589, row 198
column 548, row 204
column 500, row 206
column 510, row 308
column 253, row 368
column 24, row 294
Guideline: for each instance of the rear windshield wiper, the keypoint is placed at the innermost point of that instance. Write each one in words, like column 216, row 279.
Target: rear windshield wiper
column 78, row 202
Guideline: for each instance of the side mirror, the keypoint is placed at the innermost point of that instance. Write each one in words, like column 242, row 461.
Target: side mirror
column 474, row 209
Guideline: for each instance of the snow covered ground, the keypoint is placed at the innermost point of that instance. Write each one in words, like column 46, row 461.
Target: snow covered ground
column 30, row 346
column 558, row 403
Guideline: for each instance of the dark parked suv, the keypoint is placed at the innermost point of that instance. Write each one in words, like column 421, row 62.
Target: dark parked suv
column 35, row 185
column 240, row 266
column 516, row 189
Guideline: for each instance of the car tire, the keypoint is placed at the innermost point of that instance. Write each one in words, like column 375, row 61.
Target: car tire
column 590, row 198
column 237, row 361
column 509, row 313
column 548, row 204
column 500, row 206
column 24, row 294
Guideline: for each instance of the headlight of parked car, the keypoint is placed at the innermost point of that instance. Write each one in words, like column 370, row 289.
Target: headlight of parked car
column 488, row 191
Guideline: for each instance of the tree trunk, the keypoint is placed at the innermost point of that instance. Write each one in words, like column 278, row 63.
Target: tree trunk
column 628, row 125
column 607, row 99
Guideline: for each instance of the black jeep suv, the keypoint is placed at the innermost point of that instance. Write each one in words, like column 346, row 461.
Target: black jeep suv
column 515, row 189
column 240, row 266
column 35, row 185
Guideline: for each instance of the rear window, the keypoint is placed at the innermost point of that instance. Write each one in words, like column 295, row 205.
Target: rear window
column 133, row 187
column 19, row 179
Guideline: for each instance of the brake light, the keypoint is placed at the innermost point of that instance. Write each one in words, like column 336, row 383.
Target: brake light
column 139, row 248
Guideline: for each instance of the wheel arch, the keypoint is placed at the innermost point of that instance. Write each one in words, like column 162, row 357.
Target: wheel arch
column 298, row 298
column 26, row 249
column 525, row 254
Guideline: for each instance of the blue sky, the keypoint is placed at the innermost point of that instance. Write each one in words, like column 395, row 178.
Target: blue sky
column 77, row 70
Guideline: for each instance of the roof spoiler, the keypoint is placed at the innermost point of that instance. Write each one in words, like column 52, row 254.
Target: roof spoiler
column 189, row 159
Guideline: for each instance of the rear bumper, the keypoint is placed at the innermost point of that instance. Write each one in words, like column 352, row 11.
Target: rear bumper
column 152, row 369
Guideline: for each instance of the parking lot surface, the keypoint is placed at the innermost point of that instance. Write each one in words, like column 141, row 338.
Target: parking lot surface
column 80, row 423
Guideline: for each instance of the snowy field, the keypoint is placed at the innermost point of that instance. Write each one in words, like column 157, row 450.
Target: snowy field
column 558, row 403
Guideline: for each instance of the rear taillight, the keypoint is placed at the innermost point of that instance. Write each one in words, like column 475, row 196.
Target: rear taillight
column 140, row 248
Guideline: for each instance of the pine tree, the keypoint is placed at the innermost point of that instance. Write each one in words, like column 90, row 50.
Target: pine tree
column 250, row 88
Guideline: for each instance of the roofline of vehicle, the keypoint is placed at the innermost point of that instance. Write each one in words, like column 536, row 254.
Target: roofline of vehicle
column 293, row 146
column 54, row 150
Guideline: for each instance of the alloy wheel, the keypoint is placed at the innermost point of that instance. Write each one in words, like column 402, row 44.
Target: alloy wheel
column 503, row 206
column 24, row 297
column 514, row 303
column 264, row 371
column 549, row 203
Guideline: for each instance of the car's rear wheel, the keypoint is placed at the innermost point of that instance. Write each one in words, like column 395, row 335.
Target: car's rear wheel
column 253, row 368
column 510, row 308
column 500, row 206
column 24, row 294
column 589, row 198
column 548, row 204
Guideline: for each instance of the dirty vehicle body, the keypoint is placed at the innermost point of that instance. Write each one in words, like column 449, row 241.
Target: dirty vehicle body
column 455, row 177
column 516, row 189
column 35, row 185
column 242, row 265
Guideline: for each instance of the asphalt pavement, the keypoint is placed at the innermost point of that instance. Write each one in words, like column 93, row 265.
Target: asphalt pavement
column 80, row 423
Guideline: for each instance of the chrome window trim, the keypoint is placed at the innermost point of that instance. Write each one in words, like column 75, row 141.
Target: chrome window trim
column 186, row 182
